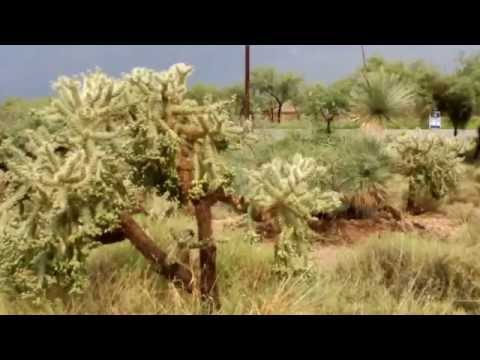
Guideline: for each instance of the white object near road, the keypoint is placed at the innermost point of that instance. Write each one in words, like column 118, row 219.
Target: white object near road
column 435, row 120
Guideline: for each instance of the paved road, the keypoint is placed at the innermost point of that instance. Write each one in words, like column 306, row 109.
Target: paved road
column 278, row 134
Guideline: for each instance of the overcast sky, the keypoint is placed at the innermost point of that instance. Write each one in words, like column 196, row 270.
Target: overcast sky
column 28, row 70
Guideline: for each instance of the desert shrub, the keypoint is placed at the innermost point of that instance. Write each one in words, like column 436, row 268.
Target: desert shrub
column 431, row 163
column 425, row 269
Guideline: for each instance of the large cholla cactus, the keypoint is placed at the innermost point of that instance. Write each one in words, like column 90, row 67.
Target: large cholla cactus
column 199, row 132
column 283, row 189
column 431, row 163
column 57, row 205
column 67, row 189
column 79, row 184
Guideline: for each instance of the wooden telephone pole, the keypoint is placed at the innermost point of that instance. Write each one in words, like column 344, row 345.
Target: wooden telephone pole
column 246, row 107
column 364, row 57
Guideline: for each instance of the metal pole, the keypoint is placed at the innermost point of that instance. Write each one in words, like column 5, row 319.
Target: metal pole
column 247, row 82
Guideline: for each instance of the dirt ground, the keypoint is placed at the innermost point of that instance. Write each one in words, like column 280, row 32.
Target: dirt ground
column 349, row 232
column 335, row 236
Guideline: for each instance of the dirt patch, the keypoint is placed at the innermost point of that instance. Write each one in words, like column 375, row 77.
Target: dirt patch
column 342, row 233
column 349, row 231
column 435, row 224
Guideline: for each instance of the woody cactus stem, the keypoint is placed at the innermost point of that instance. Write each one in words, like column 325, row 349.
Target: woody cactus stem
column 175, row 272
column 185, row 173
column 203, row 215
column 208, row 253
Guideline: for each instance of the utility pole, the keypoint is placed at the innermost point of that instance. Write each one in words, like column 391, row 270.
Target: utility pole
column 246, row 106
column 364, row 57
column 364, row 68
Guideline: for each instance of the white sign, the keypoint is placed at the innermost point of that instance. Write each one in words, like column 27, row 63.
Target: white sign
column 435, row 120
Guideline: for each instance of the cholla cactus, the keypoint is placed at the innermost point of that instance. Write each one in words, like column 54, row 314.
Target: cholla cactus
column 91, row 105
column 283, row 189
column 431, row 163
column 199, row 132
column 58, row 203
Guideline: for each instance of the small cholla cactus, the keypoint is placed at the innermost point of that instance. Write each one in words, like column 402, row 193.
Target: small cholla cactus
column 283, row 189
column 430, row 162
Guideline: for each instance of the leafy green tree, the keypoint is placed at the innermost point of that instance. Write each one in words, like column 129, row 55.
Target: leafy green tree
column 469, row 68
column 426, row 79
column 279, row 87
column 325, row 103
column 455, row 96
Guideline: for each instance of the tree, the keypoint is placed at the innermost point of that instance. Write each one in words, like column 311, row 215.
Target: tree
column 279, row 87
column 426, row 81
column 327, row 103
column 469, row 67
column 456, row 96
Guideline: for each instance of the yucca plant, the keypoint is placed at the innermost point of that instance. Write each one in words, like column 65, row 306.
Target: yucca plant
column 365, row 168
column 380, row 96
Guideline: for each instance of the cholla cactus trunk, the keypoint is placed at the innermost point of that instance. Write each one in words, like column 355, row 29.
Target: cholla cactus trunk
column 203, row 215
column 208, row 253
column 185, row 173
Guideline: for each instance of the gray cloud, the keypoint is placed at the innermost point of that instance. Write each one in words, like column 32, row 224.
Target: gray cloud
column 29, row 70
